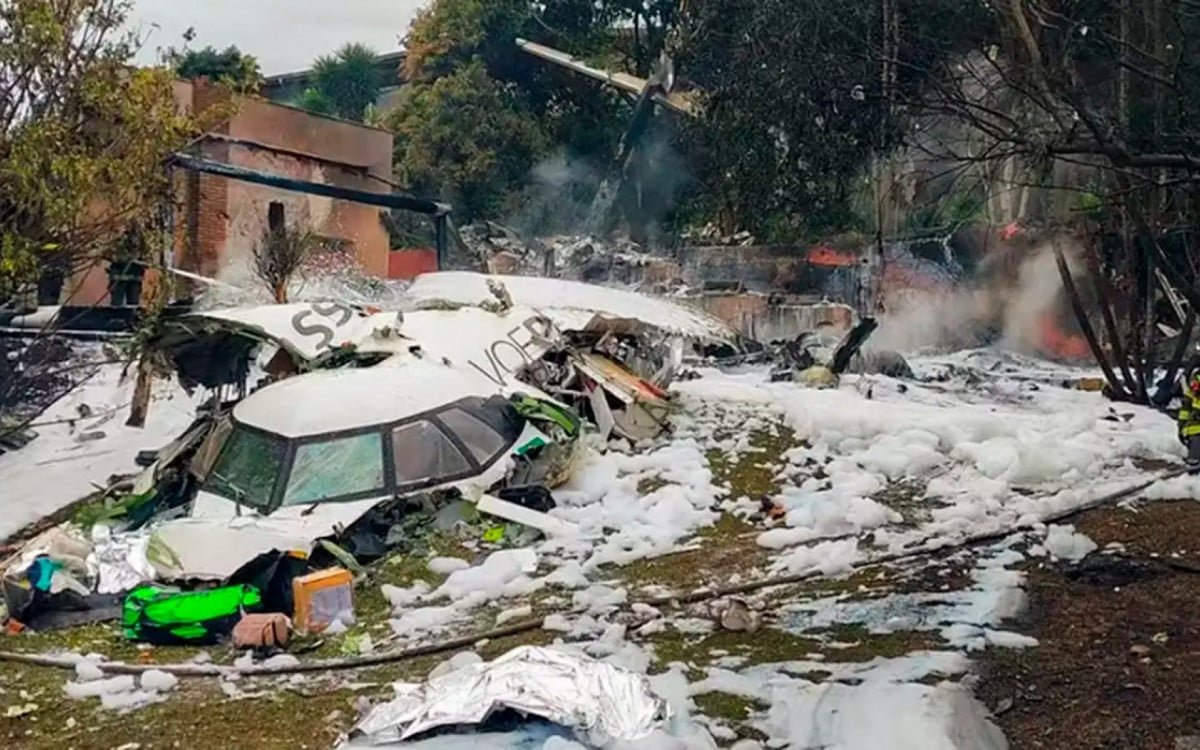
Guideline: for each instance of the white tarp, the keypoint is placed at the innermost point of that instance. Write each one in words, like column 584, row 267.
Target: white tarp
column 547, row 295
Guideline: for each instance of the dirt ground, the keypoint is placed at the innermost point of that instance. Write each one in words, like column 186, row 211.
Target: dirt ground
column 1118, row 666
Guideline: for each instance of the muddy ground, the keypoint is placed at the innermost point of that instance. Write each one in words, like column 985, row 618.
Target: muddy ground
column 1118, row 665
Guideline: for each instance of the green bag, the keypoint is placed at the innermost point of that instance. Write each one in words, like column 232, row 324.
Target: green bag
column 167, row 617
column 537, row 410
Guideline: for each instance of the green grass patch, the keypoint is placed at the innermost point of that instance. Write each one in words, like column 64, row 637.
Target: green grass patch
column 726, row 706
column 855, row 643
column 726, row 548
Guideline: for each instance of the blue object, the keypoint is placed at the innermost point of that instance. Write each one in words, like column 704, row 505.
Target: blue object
column 41, row 572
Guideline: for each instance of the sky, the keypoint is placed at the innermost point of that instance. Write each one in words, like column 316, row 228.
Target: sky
column 284, row 35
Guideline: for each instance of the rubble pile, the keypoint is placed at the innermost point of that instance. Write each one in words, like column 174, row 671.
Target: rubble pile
column 501, row 250
column 330, row 438
column 710, row 235
column 467, row 436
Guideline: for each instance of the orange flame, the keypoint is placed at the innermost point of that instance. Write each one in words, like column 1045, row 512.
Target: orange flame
column 1055, row 342
column 821, row 255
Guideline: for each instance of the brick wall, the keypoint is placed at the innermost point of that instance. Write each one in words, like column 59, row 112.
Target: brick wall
column 223, row 219
column 331, row 139
column 208, row 217
column 218, row 221
column 409, row 264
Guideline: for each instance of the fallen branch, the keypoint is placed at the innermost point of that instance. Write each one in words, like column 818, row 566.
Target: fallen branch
column 1103, row 291
column 1119, row 391
column 1173, row 564
column 525, row 626
column 320, row 665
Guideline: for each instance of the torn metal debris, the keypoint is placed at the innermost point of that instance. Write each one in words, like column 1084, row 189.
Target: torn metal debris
column 331, row 466
column 610, row 353
column 309, row 457
column 565, row 339
column 819, row 358
column 559, row 299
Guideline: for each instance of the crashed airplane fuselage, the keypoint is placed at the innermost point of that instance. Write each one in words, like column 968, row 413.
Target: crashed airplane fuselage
column 307, row 458
column 609, row 352
column 359, row 411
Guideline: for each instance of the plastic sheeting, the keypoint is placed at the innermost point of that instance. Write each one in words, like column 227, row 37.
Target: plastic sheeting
column 599, row 701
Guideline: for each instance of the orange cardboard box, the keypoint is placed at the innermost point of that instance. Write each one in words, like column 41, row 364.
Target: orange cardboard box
column 321, row 597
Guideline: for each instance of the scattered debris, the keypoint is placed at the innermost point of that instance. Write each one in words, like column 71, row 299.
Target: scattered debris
column 736, row 615
column 291, row 489
column 818, row 358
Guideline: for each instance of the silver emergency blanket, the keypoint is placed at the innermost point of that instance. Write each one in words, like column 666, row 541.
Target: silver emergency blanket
column 121, row 561
column 598, row 701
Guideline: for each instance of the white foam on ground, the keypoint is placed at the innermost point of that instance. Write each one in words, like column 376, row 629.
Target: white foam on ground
column 972, row 446
column 1065, row 543
column 56, row 469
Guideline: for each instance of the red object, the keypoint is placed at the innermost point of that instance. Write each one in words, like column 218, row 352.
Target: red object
column 822, row 255
column 1010, row 231
column 409, row 264
column 1059, row 343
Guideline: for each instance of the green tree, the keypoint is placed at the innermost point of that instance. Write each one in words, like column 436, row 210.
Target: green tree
column 792, row 122
column 450, row 34
column 316, row 101
column 230, row 67
column 346, row 82
column 82, row 135
column 467, row 139
column 83, row 138
column 578, row 117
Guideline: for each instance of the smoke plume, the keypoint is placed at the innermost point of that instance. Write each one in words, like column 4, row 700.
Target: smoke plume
column 1005, row 303
column 562, row 189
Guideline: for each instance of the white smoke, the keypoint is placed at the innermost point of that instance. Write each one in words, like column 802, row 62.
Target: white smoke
column 993, row 301
column 1037, row 289
column 558, row 196
column 923, row 321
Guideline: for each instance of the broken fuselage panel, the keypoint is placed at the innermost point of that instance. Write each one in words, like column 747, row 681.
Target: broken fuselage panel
column 307, row 458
